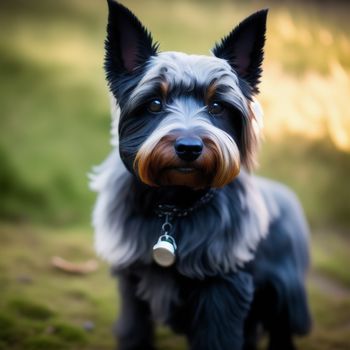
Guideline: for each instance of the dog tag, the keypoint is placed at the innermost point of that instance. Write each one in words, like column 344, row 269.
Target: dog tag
column 164, row 251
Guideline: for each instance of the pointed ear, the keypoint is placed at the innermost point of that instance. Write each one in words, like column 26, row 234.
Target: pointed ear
column 128, row 44
column 243, row 48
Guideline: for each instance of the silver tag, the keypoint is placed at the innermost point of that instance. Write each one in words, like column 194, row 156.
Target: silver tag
column 164, row 251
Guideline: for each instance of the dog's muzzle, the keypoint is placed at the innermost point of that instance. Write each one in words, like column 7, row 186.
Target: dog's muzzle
column 206, row 159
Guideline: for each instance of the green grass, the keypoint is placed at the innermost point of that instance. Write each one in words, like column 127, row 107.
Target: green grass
column 40, row 305
column 43, row 308
column 318, row 173
column 30, row 310
column 331, row 255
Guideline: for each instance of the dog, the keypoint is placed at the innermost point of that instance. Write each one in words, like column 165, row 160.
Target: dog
column 196, row 241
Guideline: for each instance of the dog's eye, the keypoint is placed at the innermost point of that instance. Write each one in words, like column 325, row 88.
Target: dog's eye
column 155, row 106
column 215, row 108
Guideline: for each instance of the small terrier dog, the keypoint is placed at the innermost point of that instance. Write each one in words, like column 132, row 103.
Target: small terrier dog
column 197, row 242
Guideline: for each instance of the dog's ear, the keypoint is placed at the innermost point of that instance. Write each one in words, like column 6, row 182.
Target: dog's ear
column 128, row 44
column 243, row 48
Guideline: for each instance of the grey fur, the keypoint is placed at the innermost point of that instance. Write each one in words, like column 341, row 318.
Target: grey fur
column 122, row 242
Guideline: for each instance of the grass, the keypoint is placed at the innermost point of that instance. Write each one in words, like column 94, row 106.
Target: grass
column 31, row 310
column 46, row 305
column 43, row 308
column 317, row 171
column 331, row 256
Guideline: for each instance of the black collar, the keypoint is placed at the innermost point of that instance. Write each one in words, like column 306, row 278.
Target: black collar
column 171, row 210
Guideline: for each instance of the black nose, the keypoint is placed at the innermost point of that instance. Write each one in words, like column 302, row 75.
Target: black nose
column 188, row 148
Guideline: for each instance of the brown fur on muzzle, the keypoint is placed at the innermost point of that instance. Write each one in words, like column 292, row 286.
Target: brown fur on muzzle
column 217, row 166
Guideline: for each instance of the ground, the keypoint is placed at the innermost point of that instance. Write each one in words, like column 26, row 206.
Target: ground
column 44, row 308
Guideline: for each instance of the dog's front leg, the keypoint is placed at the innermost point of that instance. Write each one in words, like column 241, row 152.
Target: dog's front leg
column 134, row 328
column 220, row 306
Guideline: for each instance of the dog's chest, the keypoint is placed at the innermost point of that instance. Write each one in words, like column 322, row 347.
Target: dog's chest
column 160, row 289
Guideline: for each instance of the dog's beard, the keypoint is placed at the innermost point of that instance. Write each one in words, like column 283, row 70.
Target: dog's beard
column 157, row 164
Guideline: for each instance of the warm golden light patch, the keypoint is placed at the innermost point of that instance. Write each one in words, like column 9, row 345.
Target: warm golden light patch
column 313, row 106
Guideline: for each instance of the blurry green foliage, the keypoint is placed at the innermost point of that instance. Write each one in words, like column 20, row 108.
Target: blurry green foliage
column 55, row 112
column 44, row 342
column 317, row 171
column 9, row 332
column 31, row 309
column 69, row 333
column 16, row 196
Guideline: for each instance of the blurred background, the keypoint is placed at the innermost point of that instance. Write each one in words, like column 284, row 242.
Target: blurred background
column 55, row 125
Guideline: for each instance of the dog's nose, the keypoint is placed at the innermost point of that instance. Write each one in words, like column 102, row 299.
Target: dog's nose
column 188, row 148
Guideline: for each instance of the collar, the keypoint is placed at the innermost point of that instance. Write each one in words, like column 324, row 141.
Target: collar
column 170, row 210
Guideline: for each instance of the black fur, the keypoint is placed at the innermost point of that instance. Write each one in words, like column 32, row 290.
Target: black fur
column 128, row 44
column 242, row 257
column 243, row 48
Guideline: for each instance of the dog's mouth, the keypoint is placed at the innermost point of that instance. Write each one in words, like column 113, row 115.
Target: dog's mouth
column 184, row 170
column 182, row 176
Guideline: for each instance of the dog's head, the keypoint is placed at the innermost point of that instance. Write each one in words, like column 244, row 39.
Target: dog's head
column 185, row 120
